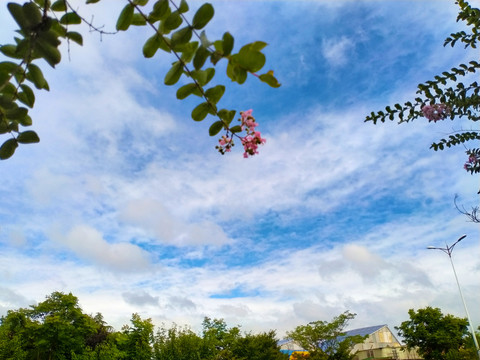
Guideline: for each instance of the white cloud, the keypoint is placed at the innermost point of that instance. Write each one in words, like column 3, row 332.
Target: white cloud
column 337, row 51
column 89, row 244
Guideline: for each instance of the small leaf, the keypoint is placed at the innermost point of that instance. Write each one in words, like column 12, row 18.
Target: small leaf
column 125, row 19
column 16, row 10
column 200, row 57
column 236, row 129
column 215, row 128
column 48, row 52
column 227, row 44
column 186, row 90
column 27, row 96
column 8, row 149
column 173, row 75
column 250, row 60
column 151, row 46
column 215, row 94
column 203, row 15
column 35, row 75
column 28, row 137
column 75, row 36
column 160, row 11
column 173, row 21
column 200, row 112
column 181, row 36
column 226, row 115
column 138, row 20
column 70, row 18
column 183, row 7
column 59, row 5
column 270, row 79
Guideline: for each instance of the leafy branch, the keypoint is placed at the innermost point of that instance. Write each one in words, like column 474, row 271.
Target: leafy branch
column 41, row 30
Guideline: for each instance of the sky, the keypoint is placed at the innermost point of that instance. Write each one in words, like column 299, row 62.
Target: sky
column 126, row 203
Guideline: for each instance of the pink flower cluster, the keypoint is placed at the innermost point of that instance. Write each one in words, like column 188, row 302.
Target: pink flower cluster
column 253, row 138
column 436, row 112
column 226, row 144
column 473, row 160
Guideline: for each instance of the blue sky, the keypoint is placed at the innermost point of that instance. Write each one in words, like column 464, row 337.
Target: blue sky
column 126, row 204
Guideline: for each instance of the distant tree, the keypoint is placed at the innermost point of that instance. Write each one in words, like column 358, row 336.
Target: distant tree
column 55, row 329
column 326, row 340
column 136, row 340
column 437, row 336
column 177, row 343
column 261, row 346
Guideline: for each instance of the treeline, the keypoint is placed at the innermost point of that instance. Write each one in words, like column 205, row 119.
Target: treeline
column 57, row 329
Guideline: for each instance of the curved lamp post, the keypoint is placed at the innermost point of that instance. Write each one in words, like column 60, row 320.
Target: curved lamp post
column 448, row 250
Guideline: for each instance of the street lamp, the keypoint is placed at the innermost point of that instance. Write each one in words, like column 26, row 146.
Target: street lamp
column 448, row 250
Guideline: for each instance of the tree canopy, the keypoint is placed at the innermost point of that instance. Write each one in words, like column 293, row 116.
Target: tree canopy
column 437, row 335
column 326, row 340
column 57, row 329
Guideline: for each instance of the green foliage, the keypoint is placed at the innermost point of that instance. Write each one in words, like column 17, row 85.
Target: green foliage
column 462, row 100
column 434, row 334
column 42, row 25
column 326, row 340
column 137, row 339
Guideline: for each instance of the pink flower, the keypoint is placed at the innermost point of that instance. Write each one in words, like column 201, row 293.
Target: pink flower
column 250, row 141
column 226, row 144
column 436, row 112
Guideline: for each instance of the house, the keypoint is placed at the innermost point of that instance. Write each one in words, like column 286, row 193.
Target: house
column 380, row 343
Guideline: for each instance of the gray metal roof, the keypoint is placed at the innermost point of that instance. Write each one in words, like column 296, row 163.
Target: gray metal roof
column 364, row 331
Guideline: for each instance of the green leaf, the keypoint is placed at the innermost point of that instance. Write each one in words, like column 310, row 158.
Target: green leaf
column 250, row 60
column 214, row 94
column 201, row 111
column 92, row 1
column 203, row 77
column 173, row 21
column 75, row 36
column 160, row 11
column 173, row 75
column 138, row 20
column 227, row 115
column 17, row 113
column 70, row 18
column 10, row 51
column 140, row 2
column 227, row 44
column 59, row 5
column 26, row 96
column 215, row 128
column 203, row 15
column 8, row 149
column 270, row 79
column 32, row 13
column 35, row 75
column 151, row 46
column 16, row 10
column 181, row 36
column 200, row 57
column 125, row 19
column 183, row 7
column 189, row 51
column 48, row 52
column 28, row 137
column 236, row 129
column 186, row 90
